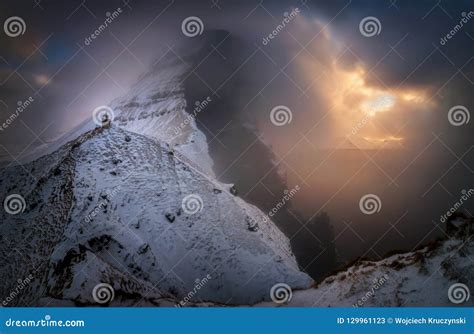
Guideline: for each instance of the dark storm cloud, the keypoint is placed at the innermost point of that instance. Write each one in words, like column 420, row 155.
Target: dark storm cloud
column 60, row 73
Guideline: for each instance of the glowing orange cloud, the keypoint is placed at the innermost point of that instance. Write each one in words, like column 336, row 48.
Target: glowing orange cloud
column 369, row 113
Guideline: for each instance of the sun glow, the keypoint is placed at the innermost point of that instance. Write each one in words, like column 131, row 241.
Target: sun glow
column 378, row 104
column 356, row 100
column 376, row 111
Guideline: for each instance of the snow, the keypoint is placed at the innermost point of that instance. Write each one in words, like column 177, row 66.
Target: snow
column 418, row 278
column 155, row 107
column 129, row 242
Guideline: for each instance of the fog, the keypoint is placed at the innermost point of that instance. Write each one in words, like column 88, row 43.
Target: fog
column 368, row 115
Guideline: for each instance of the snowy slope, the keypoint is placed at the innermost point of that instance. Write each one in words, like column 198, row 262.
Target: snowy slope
column 155, row 107
column 418, row 278
column 107, row 208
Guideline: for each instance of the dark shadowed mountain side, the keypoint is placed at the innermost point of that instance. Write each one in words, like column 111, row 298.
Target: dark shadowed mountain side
column 227, row 69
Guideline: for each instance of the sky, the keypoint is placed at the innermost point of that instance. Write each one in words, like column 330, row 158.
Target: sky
column 403, row 69
column 345, row 85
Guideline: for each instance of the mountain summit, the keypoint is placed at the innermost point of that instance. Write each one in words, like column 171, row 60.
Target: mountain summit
column 118, row 208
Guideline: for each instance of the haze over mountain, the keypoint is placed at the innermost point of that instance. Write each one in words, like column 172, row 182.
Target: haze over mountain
column 192, row 116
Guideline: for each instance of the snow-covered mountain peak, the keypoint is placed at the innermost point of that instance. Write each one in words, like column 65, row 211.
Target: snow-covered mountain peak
column 110, row 207
column 155, row 107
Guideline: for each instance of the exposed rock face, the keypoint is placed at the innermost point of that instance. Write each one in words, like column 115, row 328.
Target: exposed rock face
column 109, row 207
